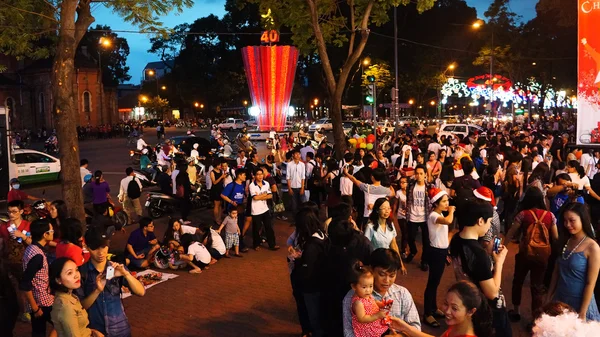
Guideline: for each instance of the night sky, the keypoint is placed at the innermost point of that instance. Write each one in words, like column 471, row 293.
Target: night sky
column 139, row 43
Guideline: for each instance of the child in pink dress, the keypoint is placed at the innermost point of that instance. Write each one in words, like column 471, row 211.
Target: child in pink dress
column 367, row 318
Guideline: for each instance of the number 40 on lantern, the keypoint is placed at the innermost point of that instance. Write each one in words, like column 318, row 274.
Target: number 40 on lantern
column 269, row 36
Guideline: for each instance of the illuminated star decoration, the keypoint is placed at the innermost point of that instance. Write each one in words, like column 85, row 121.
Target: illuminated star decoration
column 268, row 19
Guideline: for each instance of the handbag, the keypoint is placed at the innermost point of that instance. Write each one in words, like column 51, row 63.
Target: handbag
column 279, row 206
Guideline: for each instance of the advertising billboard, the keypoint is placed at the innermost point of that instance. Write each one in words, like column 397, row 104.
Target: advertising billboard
column 588, row 83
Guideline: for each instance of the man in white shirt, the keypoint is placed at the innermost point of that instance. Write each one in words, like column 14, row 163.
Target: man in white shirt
column 417, row 210
column 131, row 203
column 83, row 170
column 434, row 147
column 260, row 191
column 396, row 155
column 141, row 144
column 296, row 174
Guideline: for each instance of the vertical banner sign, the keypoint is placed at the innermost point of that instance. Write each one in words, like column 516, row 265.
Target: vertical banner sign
column 588, row 83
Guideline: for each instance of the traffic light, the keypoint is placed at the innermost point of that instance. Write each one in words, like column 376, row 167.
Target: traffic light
column 371, row 78
column 370, row 92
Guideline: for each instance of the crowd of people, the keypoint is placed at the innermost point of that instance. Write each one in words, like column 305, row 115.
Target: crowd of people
column 357, row 221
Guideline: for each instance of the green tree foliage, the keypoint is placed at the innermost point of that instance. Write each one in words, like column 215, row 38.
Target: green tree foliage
column 32, row 28
column 157, row 106
column 323, row 25
column 113, row 56
column 382, row 74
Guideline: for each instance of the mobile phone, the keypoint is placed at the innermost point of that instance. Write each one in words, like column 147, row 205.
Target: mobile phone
column 110, row 272
column 497, row 243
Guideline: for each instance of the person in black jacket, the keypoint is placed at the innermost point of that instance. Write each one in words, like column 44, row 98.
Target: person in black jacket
column 347, row 246
column 183, row 179
column 309, row 247
column 9, row 306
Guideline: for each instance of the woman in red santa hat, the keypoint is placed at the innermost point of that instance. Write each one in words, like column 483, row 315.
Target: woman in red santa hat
column 437, row 224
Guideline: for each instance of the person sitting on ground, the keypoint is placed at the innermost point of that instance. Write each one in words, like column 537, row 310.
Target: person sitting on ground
column 213, row 242
column 196, row 254
column 175, row 230
column 102, row 220
column 141, row 245
column 71, row 245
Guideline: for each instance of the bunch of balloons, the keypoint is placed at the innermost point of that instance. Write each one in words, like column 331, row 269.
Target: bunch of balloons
column 362, row 142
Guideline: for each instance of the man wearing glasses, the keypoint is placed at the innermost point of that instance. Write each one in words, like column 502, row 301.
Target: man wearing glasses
column 34, row 285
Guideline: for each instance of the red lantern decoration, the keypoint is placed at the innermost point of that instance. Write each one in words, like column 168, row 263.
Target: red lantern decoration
column 270, row 71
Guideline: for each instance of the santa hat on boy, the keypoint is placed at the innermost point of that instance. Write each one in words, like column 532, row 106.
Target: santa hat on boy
column 436, row 194
column 486, row 194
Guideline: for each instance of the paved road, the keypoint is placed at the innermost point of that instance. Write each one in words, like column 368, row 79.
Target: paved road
column 236, row 297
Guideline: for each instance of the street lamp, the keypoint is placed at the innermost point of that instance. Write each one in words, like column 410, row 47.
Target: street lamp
column 411, row 101
column 164, row 87
column 366, row 61
column 196, row 104
column 104, row 42
column 152, row 72
column 144, row 98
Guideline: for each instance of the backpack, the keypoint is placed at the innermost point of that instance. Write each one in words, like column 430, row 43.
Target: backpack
column 335, row 184
column 133, row 189
column 537, row 240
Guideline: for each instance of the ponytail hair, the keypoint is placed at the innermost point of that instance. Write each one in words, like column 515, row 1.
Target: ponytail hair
column 97, row 176
column 472, row 298
column 359, row 271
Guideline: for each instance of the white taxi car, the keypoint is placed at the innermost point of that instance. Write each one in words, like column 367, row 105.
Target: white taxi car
column 33, row 166
column 323, row 124
column 232, row 124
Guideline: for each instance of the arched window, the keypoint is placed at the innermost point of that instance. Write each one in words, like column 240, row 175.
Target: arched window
column 10, row 107
column 87, row 102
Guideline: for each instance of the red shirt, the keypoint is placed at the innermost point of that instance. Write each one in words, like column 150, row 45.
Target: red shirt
column 24, row 226
column 16, row 195
column 72, row 252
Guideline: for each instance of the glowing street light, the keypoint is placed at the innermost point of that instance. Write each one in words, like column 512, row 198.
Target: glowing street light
column 411, row 102
column 151, row 72
column 144, row 98
column 316, row 101
column 432, row 103
column 534, row 64
column 164, row 87
column 105, row 42
column 366, row 61
column 452, row 66
column 196, row 104
column 245, row 102
column 201, row 106
column 477, row 24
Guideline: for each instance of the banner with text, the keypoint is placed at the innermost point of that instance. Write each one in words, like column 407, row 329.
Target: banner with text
column 588, row 84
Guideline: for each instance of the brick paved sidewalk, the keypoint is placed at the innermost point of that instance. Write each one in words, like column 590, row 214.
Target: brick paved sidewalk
column 252, row 296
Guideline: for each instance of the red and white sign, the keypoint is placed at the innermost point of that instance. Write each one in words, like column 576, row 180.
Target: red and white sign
column 588, row 83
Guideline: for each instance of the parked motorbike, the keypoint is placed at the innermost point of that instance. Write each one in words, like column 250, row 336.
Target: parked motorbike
column 159, row 203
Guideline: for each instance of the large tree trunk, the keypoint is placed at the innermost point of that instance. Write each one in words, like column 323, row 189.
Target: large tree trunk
column 339, row 137
column 65, row 111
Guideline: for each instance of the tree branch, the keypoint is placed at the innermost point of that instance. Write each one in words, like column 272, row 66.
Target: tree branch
column 352, row 29
column 84, row 20
column 322, row 47
column 29, row 12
